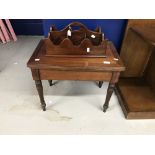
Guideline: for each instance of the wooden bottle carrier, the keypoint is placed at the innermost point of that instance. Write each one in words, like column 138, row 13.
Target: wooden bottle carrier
column 76, row 42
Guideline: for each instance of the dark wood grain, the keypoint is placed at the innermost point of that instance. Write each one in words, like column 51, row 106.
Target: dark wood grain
column 74, row 75
column 111, row 87
column 75, row 63
column 136, row 87
column 40, row 92
column 77, row 36
column 101, row 64
column 135, row 54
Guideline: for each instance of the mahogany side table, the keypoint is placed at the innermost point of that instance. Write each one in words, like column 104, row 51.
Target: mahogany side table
column 44, row 67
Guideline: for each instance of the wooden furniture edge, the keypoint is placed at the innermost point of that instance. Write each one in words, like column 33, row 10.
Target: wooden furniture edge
column 132, row 114
column 31, row 61
column 121, row 101
column 34, row 53
column 142, row 36
column 116, row 54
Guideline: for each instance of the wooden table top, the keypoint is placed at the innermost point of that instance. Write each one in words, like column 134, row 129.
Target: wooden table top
column 39, row 60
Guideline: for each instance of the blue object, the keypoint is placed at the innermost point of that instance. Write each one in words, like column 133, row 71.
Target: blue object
column 28, row 26
column 112, row 28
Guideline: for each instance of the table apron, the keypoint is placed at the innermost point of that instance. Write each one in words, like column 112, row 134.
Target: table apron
column 46, row 74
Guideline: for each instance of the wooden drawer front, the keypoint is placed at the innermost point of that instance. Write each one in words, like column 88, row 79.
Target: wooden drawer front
column 73, row 75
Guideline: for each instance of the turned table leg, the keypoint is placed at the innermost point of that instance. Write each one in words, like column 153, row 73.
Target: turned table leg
column 100, row 84
column 108, row 96
column 50, row 82
column 40, row 92
column 111, row 87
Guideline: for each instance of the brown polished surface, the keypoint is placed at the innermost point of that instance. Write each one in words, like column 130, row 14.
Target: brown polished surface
column 137, row 93
column 146, row 33
column 75, row 62
column 60, row 57
column 136, row 87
